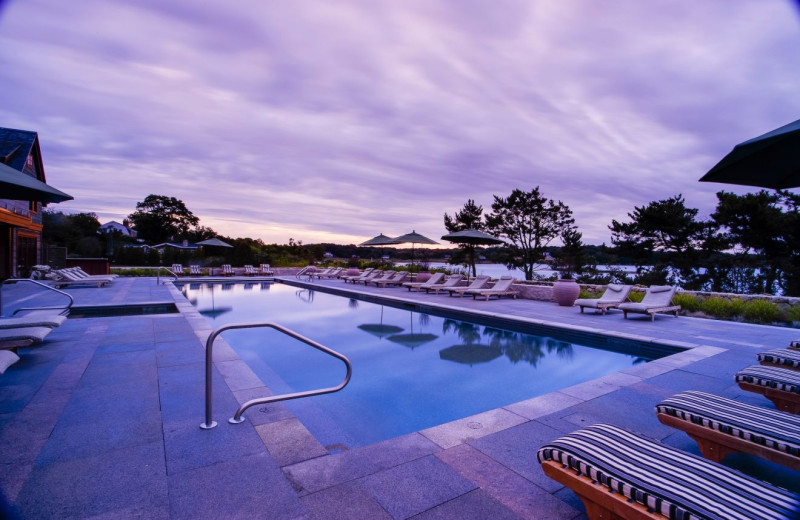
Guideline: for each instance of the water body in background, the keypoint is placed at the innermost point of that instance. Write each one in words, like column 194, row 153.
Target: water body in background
column 498, row 270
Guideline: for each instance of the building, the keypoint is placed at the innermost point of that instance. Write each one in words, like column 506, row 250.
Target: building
column 123, row 229
column 23, row 194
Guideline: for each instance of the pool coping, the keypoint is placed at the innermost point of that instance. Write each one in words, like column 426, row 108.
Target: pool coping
column 283, row 437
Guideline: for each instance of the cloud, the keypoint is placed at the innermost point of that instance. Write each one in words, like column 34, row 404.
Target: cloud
column 323, row 121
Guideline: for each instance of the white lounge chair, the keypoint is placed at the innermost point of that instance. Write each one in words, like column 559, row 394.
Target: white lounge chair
column 50, row 321
column 452, row 281
column 195, row 270
column 68, row 278
column 420, row 286
column 177, row 269
column 227, row 270
column 614, row 295
column 658, row 298
column 249, row 270
column 397, row 279
column 386, row 276
column 83, row 274
column 366, row 275
column 478, row 283
column 502, row 287
column 22, row 337
column 7, row 358
column 265, row 270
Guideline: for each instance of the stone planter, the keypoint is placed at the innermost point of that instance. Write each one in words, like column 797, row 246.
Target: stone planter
column 422, row 276
column 565, row 292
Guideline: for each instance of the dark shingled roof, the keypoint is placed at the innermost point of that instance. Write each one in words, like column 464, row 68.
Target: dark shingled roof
column 19, row 144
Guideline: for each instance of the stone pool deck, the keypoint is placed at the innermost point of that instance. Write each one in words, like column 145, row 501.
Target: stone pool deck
column 102, row 421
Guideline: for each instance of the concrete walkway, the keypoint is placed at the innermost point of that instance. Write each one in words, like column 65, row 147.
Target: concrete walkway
column 102, row 421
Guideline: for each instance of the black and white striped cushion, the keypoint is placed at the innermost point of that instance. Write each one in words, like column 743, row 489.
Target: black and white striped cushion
column 674, row 483
column 781, row 356
column 763, row 426
column 771, row 377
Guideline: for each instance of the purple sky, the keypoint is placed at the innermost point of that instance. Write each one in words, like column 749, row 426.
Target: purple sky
column 335, row 121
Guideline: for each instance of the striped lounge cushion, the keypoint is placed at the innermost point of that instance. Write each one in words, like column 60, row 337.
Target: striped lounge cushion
column 781, row 356
column 771, row 377
column 674, row 483
column 763, row 426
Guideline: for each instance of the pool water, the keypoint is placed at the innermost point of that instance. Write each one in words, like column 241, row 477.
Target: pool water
column 411, row 370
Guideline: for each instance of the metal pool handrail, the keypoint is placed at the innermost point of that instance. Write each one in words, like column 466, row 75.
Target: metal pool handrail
column 17, row 280
column 237, row 418
column 158, row 274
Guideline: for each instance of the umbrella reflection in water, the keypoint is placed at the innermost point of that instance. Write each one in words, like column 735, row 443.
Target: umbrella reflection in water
column 380, row 330
column 214, row 311
column 470, row 354
column 413, row 340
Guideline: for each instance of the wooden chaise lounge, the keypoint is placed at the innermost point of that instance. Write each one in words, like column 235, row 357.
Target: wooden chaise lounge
column 781, row 357
column 779, row 385
column 721, row 426
column 420, row 286
column 613, row 296
column 657, row 299
column 621, row 475
column 501, row 287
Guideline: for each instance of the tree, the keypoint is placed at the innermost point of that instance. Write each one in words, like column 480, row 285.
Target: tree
column 159, row 218
column 470, row 217
column 76, row 232
column 669, row 227
column 571, row 258
column 763, row 227
column 530, row 222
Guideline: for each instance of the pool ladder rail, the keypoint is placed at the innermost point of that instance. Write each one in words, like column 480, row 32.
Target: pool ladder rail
column 62, row 309
column 237, row 418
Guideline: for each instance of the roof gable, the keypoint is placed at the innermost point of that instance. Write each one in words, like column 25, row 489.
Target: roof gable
column 15, row 148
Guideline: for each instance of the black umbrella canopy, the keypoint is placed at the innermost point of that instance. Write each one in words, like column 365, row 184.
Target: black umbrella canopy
column 472, row 237
column 414, row 238
column 771, row 161
column 380, row 330
column 380, row 240
column 15, row 185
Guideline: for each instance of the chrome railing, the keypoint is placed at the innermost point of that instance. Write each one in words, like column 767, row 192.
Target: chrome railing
column 237, row 418
column 158, row 274
column 40, row 284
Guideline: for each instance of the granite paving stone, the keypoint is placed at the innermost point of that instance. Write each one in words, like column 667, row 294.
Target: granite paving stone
column 413, row 487
column 475, row 505
column 289, row 442
column 346, row 501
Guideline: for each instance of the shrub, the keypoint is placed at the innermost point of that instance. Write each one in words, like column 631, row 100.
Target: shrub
column 794, row 313
column 636, row 296
column 761, row 311
column 688, row 302
column 722, row 307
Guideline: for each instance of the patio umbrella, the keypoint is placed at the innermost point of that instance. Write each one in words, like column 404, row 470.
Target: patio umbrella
column 472, row 238
column 771, row 161
column 15, row 185
column 380, row 240
column 470, row 354
column 414, row 238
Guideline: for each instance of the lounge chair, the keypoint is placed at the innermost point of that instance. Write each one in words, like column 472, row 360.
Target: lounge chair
column 265, row 270
column 452, row 281
column 721, row 426
column 386, row 276
column 395, row 280
column 177, row 269
column 249, row 270
column 619, row 474
column 478, row 283
column 22, row 337
column 227, row 270
column 420, row 286
column 613, row 296
column 779, row 385
column 365, row 276
column 7, row 358
column 50, row 320
column 194, row 270
column 332, row 272
column 83, row 274
column 502, row 287
column 658, row 298
column 781, row 357
column 68, row 278
column 349, row 277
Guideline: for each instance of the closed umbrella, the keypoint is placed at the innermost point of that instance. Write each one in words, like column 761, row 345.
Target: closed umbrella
column 413, row 238
column 771, row 160
column 472, row 238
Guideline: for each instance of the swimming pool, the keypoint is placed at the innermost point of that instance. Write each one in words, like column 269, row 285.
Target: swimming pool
column 411, row 370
